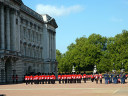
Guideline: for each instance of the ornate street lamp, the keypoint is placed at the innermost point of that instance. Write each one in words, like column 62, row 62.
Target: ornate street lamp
column 95, row 69
column 73, row 69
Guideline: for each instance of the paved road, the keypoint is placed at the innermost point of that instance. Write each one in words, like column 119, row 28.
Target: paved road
column 83, row 89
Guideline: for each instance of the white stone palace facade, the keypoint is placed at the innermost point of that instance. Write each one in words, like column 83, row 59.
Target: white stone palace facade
column 27, row 41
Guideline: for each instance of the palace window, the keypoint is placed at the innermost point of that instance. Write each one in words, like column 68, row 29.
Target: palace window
column 17, row 21
column 24, row 32
column 29, row 34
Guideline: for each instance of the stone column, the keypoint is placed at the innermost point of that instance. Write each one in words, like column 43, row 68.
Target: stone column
column 45, row 42
column 13, row 31
column 54, row 44
column 2, row 36
column 21, row 32
column 8, row 27
column 18, row 32
column 49, row 44
column 53, row 47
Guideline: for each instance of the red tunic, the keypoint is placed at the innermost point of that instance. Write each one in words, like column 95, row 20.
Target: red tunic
column 34, row 78
column 84, row 76
column 13, row 77
column 45, row 77
column 92, row 76
column 31, row 77
column 59, row 76
column 74, row 76
column 48, row 77
column 100, row 76
column 51, row 77
column 62, row 76
column 79, row 76
column 96, row 76
column 42, row 77
column 37, row 77
column 54, row 77
column 70, row 76
column 65, row 76
column 16, row 77
column 26, row 78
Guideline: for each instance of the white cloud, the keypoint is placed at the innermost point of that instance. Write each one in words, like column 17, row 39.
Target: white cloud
column 58, row 11
column 115, row 19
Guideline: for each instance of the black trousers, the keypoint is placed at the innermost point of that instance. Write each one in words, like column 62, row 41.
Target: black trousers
column 63, row 81
column 70, row 80
column 45, row 81
column 42, row 81
column 59, row 81
column 100, row 81
column 48, row 81
column 26, row 81
column 31, row 81
column 96, row 81
column 84, row 80
column 80, row 80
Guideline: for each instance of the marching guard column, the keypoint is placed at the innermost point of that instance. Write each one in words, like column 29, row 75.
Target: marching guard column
column 2, row 41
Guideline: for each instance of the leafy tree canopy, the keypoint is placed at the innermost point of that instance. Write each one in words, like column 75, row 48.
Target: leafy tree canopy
column 106, row 53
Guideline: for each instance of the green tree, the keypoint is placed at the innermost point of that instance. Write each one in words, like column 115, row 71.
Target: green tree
column 95, row 50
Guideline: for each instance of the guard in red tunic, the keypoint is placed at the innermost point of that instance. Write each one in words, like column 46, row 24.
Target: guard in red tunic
column 48, row 78
column 77, row 77
column 51, row 78
column 43, row 77
column 84, row 77
column 40, row 79
column 68, row 78
column 13, row 79
column 74, row 78
column 37, row 79
column 96, row 78
column 80, row 77
column 100, row 77
column 26, row 79
column 54, row 78
column 59, row 78
column 92, row 77
column 63, row 78
column 16, row 79
column 34, row 79
column 31, row 79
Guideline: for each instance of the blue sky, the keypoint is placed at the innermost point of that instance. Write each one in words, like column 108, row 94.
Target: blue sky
column 76, row 18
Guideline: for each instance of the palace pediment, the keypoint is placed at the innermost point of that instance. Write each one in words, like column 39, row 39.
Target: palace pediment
column 53, row 23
